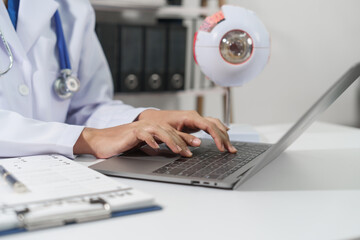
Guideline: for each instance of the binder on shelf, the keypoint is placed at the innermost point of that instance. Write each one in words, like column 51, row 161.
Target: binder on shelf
column 174, row 2
column 155, row 58
column 176, row 57
column 189, row 24
column 109, row 38
column 131, row 58
column 63, row 192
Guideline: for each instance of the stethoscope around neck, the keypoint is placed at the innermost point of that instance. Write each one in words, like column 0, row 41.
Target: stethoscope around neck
column 66, row 84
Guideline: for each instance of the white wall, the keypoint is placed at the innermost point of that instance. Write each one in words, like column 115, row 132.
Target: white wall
column 313, row 43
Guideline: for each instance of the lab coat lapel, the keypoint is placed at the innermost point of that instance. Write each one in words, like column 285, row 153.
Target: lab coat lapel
column 33, row 17
column 10, row 34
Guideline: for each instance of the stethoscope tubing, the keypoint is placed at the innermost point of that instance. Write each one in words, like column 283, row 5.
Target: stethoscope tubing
column 63, row 52
column 11, row 58
column 66, row 84
column 61, row 44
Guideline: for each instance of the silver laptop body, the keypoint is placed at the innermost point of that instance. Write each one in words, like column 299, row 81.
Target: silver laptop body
column 162, row 165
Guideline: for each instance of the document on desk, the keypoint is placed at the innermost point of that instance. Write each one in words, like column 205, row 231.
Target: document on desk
column 61, row 191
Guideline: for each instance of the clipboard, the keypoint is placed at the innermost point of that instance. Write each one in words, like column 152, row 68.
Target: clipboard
column 63, row 192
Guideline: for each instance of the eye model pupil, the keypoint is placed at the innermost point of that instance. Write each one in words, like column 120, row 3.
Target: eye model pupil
column 236, row 48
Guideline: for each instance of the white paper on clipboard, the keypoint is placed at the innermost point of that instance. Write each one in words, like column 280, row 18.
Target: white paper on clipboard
column 61, row 190
column 51, row 177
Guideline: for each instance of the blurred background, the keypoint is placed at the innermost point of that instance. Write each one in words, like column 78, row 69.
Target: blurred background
column 312, row 44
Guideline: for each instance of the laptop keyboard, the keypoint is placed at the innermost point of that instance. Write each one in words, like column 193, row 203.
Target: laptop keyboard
column 213, row 164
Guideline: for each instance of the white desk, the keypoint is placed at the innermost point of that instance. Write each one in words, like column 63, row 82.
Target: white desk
column 312, row 191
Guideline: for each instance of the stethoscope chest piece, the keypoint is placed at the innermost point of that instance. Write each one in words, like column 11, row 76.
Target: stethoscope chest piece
column 66, row 84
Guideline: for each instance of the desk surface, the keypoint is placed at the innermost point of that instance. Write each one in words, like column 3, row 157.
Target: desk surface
column 310, row 192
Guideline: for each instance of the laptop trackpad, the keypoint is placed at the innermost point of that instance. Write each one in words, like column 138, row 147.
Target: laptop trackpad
column 143, row 160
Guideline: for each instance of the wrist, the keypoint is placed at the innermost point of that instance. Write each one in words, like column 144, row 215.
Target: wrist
column 83, row 144
column 147, row 114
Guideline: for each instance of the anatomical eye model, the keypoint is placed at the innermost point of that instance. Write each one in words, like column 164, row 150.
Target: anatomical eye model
column 232, row 47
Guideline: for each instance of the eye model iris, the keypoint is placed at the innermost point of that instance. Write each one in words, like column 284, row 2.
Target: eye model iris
column 236, row 47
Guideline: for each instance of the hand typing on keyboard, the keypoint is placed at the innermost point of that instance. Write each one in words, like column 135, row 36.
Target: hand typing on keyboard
column 184, row 122
column 153, row 126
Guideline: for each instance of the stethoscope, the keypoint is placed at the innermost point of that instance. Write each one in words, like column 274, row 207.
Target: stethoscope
column 66, row 84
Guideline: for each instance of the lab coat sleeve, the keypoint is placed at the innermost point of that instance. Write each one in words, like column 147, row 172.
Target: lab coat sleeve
column 93, row 106
column 25, row 136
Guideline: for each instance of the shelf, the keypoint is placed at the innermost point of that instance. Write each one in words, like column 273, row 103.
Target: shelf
column 192, row 92
column 117, row 5
column 182, row 12
column 158, row 8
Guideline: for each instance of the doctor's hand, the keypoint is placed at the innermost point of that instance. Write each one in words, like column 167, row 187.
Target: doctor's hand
column 185, row 122
column 152, row 126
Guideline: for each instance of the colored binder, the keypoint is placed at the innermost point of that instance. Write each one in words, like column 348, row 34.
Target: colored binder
column 155, row 58
column 131, row 58
column 109, row 38
column 176, row 57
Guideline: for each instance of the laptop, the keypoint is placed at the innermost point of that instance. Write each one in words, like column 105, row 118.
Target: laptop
column 210, row 167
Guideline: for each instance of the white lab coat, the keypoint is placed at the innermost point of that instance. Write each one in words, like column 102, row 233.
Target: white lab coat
column 33, row 120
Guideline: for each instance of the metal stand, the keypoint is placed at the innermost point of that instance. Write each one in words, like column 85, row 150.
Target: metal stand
column 227, row 115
